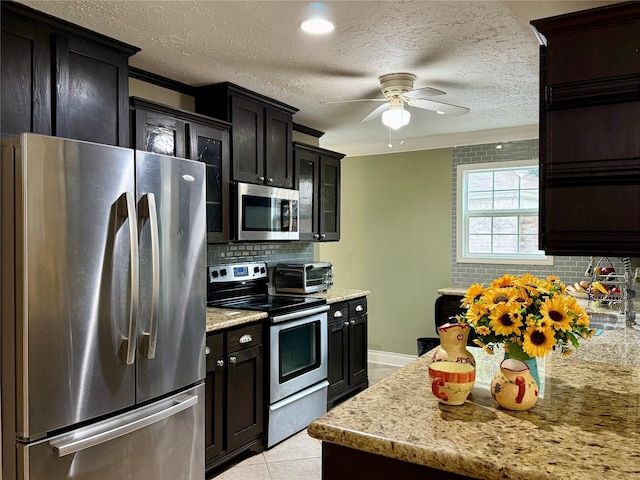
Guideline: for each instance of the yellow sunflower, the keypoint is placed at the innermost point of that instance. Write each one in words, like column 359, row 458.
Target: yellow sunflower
column 474, row 292
column 538, row 341
column 475, row 313
column 496, row 296
column 533, row 284
column 502, row 322
column 555, row 310
column 521, row 296
column 506, row 280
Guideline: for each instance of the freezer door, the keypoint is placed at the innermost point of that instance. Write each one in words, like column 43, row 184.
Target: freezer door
column 172, row 316
column 163, row 441
column 75, row 277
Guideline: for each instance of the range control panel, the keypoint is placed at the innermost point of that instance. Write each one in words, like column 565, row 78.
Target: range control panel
column 237, row 272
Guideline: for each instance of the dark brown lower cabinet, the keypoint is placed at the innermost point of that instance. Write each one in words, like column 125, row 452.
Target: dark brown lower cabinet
column 347, row 350
column 344, row 463
column 234, row 414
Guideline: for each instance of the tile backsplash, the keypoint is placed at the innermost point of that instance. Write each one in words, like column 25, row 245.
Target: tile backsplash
column 272, row 253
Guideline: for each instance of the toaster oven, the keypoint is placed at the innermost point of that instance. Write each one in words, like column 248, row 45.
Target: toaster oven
column 303, row 278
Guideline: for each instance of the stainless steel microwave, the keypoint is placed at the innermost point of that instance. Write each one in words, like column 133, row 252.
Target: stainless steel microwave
column 303, row 277
column 266, row 213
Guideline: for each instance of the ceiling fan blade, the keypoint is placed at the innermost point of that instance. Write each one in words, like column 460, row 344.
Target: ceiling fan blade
column 424, row 91
column 358, row 100
column 438, row 106
column 377, row 112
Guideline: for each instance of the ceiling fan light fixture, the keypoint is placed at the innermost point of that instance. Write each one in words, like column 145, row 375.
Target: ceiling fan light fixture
column 395, row 118
column 317, row 26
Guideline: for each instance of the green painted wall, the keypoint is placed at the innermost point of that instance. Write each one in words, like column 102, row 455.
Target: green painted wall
column 395, row 241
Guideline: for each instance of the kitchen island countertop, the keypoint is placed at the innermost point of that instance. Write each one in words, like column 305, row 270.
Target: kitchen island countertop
column 223, row 318
column 586, row 424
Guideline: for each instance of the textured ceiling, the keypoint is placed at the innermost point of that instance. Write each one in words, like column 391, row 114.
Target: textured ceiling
column 484, row 55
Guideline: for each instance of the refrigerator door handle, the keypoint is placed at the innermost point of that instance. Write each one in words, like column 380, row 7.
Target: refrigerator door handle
column 147, row 208
column 67, row 446
column 127, row 208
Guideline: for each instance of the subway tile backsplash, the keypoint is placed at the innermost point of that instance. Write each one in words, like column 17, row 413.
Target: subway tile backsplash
column 570, row 269
column 272, row 253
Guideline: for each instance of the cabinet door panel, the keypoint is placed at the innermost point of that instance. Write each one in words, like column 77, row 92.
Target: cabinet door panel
column 159, row 133
column 330, row 207
column 214, row 408
column 308, row 168
column 91, row 100
column 278, row 155
column 244, row 396
column 248, row 140
column 358, row 351
column 211, row 146
column 25, row 65
column 337, row 368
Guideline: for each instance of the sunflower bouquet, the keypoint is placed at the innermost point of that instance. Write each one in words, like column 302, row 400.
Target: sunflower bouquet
column 528, row 315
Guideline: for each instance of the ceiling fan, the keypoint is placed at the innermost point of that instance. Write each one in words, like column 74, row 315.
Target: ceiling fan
column 398, row 91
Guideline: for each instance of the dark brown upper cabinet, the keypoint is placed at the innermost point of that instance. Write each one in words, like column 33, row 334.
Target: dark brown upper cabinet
column 317, row 178
column 171, row 131
column 590, row 131
column 261, row 136
column 61, row 79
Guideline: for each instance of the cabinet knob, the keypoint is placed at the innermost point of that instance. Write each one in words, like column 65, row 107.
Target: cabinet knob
column 207, row 350
column 245, row 339
column 270, row 180
column 346, row 324
column 353, row 322
column 322, row 236
column 233, row 359
column 316, row 236
column 261, row 179
column 359, row 308
column 337, row 314
column 220, row 363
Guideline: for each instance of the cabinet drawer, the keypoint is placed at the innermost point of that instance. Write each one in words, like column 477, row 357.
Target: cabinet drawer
column 244, row 337
column 338, row 311
column 357, row 306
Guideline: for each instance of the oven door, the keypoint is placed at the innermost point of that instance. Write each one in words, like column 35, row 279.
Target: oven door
column 298, row 357
column 267, row 213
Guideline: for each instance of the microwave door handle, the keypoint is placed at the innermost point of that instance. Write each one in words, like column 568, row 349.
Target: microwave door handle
column 285, row 215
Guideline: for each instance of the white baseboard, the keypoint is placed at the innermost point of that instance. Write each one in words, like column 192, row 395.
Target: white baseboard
column 390, row 358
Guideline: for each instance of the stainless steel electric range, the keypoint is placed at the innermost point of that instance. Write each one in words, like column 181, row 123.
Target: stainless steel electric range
column 297, row 360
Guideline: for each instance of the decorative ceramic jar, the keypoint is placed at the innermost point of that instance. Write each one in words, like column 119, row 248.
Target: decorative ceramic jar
column 513, row 387
column 453, row 344
column 452, row 382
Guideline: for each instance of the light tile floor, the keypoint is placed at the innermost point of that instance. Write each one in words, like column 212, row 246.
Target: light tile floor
column 299, row 457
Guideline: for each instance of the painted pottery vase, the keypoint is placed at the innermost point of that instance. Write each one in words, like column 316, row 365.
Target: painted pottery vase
column 513, row 387
column 453, row 344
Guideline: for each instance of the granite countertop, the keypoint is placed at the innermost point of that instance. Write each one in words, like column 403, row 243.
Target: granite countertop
column 223, row 318
column 586, row 424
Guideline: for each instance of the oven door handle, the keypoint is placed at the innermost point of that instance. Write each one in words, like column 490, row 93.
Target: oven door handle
column 299, row 314
column 299, row 395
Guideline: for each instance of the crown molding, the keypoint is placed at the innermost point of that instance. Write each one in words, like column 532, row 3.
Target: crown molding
column 478, row 137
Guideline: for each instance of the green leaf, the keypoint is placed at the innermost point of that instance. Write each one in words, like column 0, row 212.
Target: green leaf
column 515, row 351
column 574, row 340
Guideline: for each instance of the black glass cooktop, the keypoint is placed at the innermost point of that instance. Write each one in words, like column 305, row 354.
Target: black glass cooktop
column 272, row 304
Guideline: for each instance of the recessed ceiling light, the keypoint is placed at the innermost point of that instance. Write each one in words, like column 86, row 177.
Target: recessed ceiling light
column 317, row 26
column 439, row 112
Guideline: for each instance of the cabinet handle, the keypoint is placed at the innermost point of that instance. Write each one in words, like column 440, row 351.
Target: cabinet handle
column 207, row 350
column 322, row 236
column 245, row 339
column 233, row 359
column 316, row 236
column 359, row 308
column 353, row 322
column 337, row 314
column 261, row 179
column 270, row 180
column 220, row 363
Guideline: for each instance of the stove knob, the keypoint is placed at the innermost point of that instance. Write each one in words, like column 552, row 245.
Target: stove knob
column 223, row 272
column 256, row 269
column 214, row 274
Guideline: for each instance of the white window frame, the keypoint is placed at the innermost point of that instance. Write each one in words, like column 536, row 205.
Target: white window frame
column 462, row 237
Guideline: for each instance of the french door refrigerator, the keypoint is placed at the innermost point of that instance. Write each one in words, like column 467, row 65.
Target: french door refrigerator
column 103, row 312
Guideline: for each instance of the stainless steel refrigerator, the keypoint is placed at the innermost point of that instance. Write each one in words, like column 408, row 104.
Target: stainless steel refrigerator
column 103, row 312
